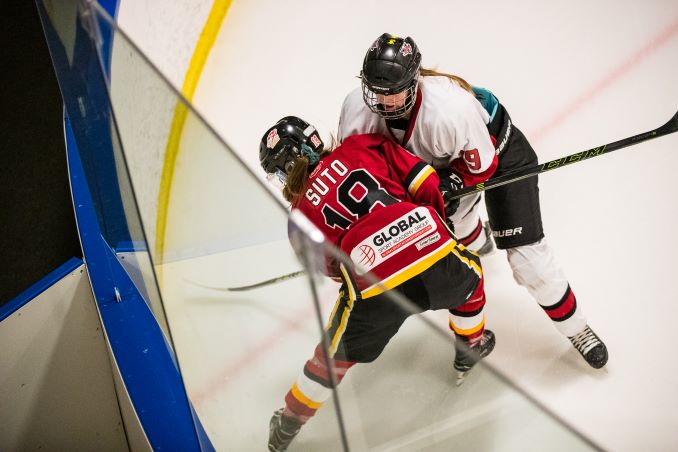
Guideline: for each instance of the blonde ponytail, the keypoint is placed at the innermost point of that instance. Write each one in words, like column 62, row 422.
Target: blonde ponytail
column 460, row 81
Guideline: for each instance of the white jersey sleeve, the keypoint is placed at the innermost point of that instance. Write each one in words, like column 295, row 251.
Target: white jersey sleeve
column 453, row 131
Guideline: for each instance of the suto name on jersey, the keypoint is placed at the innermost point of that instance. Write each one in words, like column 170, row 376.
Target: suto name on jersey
column 321, row 177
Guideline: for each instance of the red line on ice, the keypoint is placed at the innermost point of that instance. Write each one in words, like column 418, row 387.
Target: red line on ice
column 634, row 60
column 252, row 354
column 264, row 346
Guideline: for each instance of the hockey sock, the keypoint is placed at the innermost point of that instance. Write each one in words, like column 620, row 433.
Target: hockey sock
column 468, row 320
column 314, row 386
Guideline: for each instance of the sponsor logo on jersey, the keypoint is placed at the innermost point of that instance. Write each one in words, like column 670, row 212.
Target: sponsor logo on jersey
column 507, row 135
column 368, row 255
column 508, row 232
column 430, row 240
column 406, row 49
column 272, row 139
column 413, row 228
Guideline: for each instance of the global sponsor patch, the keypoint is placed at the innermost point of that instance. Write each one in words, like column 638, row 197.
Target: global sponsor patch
column 404, row 231
column 368, row 255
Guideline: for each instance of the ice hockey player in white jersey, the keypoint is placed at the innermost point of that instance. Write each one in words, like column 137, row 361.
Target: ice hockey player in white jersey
column 468, row 136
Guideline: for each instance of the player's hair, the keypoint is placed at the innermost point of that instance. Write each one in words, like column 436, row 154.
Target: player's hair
column 297, row 178
column 434, row 73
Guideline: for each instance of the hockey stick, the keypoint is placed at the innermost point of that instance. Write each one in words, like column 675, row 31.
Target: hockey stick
column 530, row 171
column 253, row 286
column 268, row 281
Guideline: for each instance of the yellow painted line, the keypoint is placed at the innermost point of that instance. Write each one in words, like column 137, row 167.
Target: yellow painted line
column 202, row 49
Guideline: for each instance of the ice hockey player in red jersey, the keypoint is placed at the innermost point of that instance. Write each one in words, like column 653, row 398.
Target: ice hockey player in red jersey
column 468, row 136
column 382, row 207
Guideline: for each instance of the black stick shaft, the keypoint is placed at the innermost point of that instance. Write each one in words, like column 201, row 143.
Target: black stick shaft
column 530, row 171
column 267, row 282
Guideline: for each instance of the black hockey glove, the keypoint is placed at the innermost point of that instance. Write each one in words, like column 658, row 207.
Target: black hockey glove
column 450, row 182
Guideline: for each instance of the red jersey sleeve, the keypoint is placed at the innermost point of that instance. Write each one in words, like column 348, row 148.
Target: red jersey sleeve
column 417, row 177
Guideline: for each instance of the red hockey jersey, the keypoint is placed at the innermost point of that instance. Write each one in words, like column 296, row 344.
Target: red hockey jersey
column 381, row 206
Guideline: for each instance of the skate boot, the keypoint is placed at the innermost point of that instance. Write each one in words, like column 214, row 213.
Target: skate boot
column 488, row 247
column 283, row 429
column 591, row 348
column 467, row 355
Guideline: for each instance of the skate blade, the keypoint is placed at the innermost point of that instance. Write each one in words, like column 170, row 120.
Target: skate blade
column 461, row 377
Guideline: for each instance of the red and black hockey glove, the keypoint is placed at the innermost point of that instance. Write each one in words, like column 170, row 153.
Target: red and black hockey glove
column 450, row 182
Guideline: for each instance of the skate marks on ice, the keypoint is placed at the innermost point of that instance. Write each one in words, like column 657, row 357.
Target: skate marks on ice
column 239, row 352
column 407, row 400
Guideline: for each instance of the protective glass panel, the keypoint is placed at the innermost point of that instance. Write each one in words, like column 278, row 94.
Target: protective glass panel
column 202, row 229
column 409, row 397
column 77, row 37
column 210, row 227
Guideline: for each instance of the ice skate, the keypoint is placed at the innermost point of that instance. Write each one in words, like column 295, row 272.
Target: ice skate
column 283, row 429
column 488, row 247
column 461, row 377
column 591, row 348
column 468, row 355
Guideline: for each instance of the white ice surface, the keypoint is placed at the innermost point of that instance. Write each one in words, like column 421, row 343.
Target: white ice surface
column 573, row 75
column 240, row 352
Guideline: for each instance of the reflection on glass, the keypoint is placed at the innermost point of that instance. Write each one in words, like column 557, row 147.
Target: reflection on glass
column 408, row 397
column 199, row 223
column 217, row 229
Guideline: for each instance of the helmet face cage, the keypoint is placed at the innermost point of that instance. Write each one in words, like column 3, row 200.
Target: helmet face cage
column 391, row 68
column 282, row 144
column 383, row 108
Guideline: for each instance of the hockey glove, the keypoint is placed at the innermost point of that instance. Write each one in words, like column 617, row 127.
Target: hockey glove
column 450, row 182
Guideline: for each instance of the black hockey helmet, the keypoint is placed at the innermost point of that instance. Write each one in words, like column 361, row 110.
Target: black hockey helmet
column 289, row 138
column 391, row 66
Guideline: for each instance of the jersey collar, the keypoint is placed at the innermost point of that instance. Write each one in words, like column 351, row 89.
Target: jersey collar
column 412, row 121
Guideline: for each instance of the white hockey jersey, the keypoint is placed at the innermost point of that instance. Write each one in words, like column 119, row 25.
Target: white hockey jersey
column 448, row 128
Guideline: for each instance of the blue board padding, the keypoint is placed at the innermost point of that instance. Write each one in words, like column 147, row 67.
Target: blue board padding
column 82, row 83
column 130, row 247
column 39, row 287
column 145, row 360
